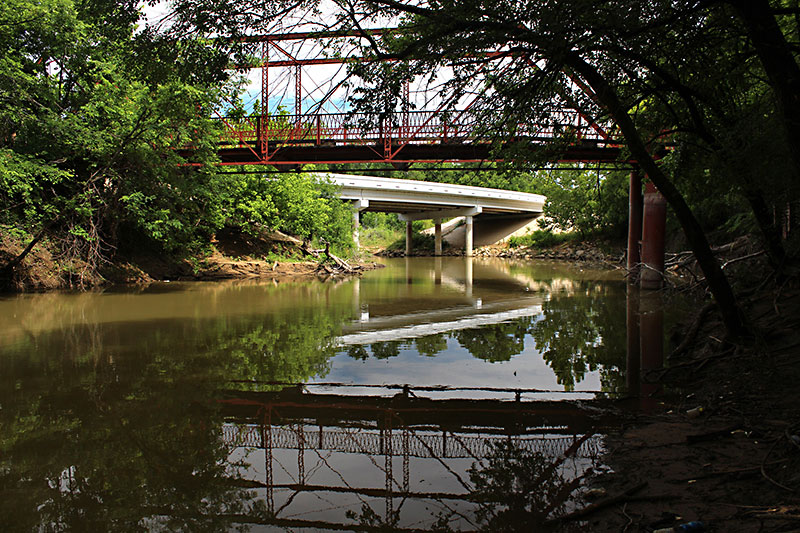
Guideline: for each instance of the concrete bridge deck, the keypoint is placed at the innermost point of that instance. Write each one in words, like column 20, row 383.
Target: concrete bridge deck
column 502, row 212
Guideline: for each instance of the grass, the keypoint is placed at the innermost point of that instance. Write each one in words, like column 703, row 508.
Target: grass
column 419, row 241
column 379, row 238
column 541, row 239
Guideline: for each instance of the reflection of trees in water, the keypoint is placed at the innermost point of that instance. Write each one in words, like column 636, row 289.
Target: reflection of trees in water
column 579, row 331
column 515, row 490
column 385, row 350
column 497, row 342
column 582, row 331
column 119, row 452
column 287, row 349
column 518, row 489
column 430, row 345
column 357, row 351
column 114, row 427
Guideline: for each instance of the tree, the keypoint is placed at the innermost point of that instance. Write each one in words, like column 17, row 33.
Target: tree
column 89, row 123
column 585, row 201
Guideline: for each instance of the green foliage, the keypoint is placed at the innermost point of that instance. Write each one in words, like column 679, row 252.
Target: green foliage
column 89, row 128
column 91, row 131
column 389, row 221
column 540, row 239
column 296, row 203
column 585, row 201
column 419, row 241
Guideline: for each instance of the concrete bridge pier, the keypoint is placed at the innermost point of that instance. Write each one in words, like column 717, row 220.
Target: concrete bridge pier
column 409, row 235
column 468, row 237
column 437, row 237
column 358, row 206
column 467, row 212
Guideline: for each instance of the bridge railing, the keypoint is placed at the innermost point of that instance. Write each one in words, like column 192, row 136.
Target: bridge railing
column 413, row 127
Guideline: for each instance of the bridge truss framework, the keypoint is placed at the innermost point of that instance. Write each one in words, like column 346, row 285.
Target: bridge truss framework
column 399, row 138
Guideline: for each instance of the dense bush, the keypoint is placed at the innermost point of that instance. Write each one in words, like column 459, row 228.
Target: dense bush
column 540, row 239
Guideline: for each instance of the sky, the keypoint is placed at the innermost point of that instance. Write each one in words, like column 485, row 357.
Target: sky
column 318, row 82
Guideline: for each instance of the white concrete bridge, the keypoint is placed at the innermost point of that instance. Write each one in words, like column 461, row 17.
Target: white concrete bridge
column 501, row 212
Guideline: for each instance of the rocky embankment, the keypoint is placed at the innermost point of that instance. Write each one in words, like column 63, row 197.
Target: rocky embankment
column 571, row 251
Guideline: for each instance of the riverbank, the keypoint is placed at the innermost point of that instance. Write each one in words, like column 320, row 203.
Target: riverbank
column 600, row 253
column 274, row 256
column 718, row 441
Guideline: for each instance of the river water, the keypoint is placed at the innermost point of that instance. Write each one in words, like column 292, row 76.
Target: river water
column 402, row 398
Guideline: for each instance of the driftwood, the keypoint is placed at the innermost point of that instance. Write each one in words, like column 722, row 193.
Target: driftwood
column 695, row 327
column 683, row 259
column 340, row 266
column 602, row 504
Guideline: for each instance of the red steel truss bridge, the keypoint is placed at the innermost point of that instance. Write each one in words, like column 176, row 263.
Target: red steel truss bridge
column 299, row 120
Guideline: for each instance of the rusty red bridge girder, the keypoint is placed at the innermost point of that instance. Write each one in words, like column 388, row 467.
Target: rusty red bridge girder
column 400, row 138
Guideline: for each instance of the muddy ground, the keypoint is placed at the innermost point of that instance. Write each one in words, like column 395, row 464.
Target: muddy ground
column 720, row 442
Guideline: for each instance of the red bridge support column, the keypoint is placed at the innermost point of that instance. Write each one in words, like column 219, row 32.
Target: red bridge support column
column 634, row 224
column 633, row 374
column 653, row 235
column 651, row 348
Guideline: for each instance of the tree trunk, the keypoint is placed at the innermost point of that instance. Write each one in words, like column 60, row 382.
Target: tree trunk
column 7, row 270
column 779, row 64
column 770, row 232
column 717, row 282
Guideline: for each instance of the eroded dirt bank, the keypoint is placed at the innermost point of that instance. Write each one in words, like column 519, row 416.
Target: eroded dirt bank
column 229, row 256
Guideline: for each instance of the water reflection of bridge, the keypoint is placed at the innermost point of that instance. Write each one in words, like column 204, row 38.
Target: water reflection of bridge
column 403, row 438
column 458, row 302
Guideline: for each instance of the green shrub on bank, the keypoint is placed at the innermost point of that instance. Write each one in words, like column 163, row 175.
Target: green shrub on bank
column 541, row 239
column 419, row 241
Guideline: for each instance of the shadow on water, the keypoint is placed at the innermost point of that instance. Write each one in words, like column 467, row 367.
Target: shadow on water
column 420, row 397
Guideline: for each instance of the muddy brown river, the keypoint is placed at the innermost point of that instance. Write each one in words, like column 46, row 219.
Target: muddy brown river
column 408, row 398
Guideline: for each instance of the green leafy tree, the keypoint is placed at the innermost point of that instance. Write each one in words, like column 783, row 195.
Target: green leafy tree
column 585, row 201
column 89, row 129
